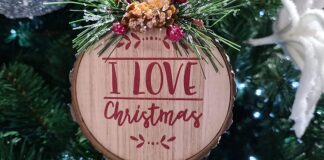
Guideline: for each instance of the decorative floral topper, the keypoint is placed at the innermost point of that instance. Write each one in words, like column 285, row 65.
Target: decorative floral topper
column 300, row 31
column 183, row 20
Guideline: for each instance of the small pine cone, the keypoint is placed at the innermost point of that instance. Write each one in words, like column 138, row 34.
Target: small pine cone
column 162, row 17
column 165, row 7
column 169, row 14
column 158, row 4
column 173, row 9
column 149, row 14
column 169, row 22
column 132, row 6
column 125, row 19
column 140, row 21
column 150, row 24
column 132, row 23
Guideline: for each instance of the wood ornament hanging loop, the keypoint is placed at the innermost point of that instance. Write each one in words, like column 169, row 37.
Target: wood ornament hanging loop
column 144, row 102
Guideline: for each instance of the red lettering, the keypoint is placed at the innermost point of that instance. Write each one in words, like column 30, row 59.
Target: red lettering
column 114, row 79
column 187, row 76
column 149, row 78
column 106, row 110
column 137, row 80
column 172, row 86
column 152, row 116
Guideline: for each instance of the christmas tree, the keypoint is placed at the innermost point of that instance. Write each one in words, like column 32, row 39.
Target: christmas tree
column 36, row 57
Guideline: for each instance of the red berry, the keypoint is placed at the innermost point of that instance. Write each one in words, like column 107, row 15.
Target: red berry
column 175, row 33
column 179, row 1
column 119, row 28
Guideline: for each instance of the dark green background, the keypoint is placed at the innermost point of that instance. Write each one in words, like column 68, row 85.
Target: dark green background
column 36, row 57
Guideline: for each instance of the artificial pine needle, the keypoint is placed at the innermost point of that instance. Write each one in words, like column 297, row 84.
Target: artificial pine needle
column 99, row 16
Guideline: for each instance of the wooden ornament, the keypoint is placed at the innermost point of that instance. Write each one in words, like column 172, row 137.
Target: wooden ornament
column 144, row 101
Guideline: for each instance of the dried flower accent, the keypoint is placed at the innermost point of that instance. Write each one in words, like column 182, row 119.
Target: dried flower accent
column 141, row 16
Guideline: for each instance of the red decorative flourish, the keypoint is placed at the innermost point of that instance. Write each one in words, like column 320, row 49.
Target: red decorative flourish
column 166, row 44
column 120, row 44
column 164, row 142
column 129, row 42
column 140, row 139
column 139, row 40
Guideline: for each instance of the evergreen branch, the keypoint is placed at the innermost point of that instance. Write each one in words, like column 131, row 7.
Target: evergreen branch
column 200, row 9
column 109, row 11
column 202, row 39
column 33, row 107
column 102, row 12
column 11, row 148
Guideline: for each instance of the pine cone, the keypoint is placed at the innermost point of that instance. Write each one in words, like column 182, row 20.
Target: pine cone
column 149, row 14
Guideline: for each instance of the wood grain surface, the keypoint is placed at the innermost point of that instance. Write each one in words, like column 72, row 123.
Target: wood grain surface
column 145, row 102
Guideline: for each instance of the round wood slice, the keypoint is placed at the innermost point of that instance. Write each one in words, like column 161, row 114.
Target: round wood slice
column 144, row 101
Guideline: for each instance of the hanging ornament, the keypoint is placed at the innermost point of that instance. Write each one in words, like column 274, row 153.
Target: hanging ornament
column 300, row 32
column 26, row 8
column 158, row 77
column 140, row 95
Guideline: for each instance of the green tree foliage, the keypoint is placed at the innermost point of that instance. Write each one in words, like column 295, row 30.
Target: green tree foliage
column 37, row 56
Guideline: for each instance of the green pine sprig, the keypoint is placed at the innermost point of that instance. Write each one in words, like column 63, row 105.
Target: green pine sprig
column 97, row 21
column 201, row 39
column 99, row 16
